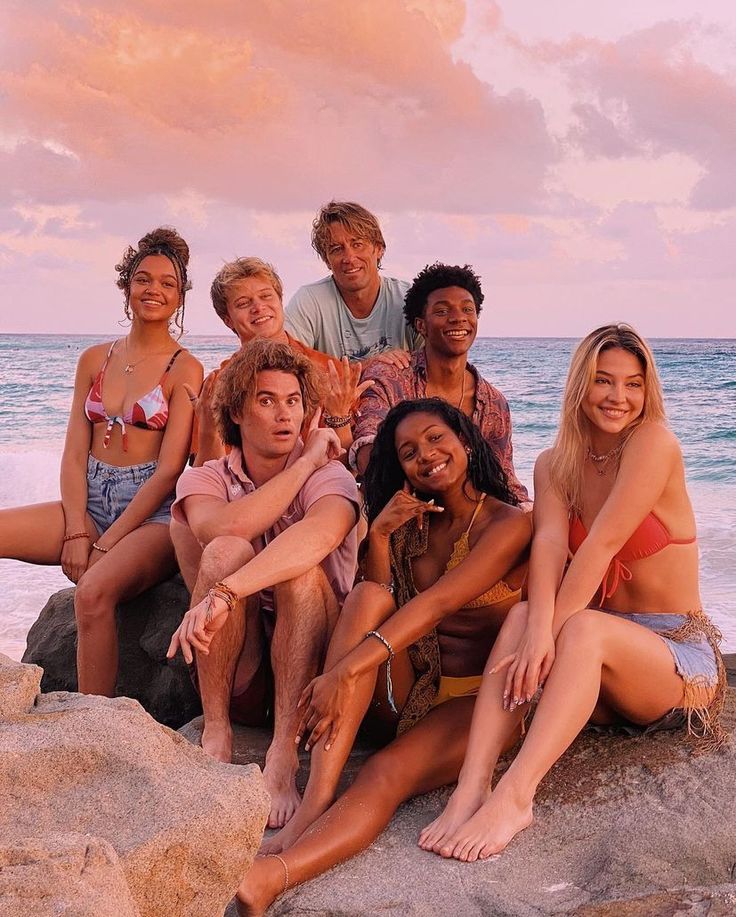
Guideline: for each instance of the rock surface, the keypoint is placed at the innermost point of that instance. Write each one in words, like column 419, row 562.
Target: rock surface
column 625, row 827
column 183, row 826
column 70, row 874
column 145, row 626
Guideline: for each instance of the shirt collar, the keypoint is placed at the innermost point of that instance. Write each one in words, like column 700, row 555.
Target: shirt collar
column 236, row 467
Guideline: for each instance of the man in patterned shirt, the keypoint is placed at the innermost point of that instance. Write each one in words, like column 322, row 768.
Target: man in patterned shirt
column 442, row 305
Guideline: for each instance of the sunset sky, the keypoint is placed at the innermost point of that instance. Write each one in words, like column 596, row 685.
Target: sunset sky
column 582, row 156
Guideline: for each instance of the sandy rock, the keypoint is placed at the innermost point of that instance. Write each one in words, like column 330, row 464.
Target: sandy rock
column 19, row 687
column 184, row 826
column 63, row 874
column 145, row 626
column 639, row 822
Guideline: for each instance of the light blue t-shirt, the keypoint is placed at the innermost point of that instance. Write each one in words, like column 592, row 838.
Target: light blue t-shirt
column 318, row 317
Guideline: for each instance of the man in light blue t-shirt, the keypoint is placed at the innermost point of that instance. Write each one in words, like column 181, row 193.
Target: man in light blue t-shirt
column 355, row 312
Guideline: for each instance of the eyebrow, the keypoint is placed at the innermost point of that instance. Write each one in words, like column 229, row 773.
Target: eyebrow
column 446, row 302
column 405, row 442
column 264, row 391
column 602, row 372
column 149, row 274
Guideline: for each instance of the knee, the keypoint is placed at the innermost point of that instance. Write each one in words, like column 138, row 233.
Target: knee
column 382, row 773
column 518, row 614
column 223, row 555
column 368, row 602
column 93, row 601
column 581, row 631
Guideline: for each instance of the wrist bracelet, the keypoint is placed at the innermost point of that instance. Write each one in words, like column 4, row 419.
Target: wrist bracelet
column 335, row 420
column 225, row 594
column 389, row 587
column 98, row 547
column 389, row 683
column 75, row 535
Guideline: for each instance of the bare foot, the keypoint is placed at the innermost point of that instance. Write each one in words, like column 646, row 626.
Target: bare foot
column 461, row 805
column 217, row 740
column 305, row 816
column 501, row 817
column 260, row 887
column 279, row 776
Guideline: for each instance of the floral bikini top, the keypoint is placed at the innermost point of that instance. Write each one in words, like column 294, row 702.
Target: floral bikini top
column 149, row 412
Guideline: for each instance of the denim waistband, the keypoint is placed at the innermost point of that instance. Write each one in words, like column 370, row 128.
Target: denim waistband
column 136, row 473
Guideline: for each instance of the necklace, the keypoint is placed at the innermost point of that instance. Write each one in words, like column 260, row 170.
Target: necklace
column 600, row 462
column 129, row 367
column 462, row 393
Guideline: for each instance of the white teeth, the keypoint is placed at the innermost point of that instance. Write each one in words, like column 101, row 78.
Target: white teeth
column 436, row 469
column 456, row 334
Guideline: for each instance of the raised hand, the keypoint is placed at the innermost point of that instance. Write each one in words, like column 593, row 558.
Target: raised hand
column 321, row 444
column 399, row 509
column 345, row 390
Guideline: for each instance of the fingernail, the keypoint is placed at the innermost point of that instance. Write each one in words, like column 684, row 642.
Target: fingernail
column 306, row 748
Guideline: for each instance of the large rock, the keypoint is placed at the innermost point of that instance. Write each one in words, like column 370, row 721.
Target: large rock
column 145, row 626
column 184, row 827
column 624, row 827
column 71, row 874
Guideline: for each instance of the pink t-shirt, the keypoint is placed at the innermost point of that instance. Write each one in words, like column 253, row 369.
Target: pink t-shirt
column 226, row 479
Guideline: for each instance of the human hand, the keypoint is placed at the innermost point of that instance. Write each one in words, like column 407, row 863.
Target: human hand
column 324, row 702
column 345, row 390
column 75, row 558
column 199, row 625
column 527, row 667
column 400, row 359
column 202, row 404
column 399, row 509
column 321, row 444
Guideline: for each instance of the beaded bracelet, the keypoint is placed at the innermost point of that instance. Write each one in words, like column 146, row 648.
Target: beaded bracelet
column 98, row 547
column 335, row 420
column 224, row 593
column 75, row 535
column 389, row 683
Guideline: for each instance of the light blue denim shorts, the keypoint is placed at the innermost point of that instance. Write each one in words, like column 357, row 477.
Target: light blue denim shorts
column 111, row 488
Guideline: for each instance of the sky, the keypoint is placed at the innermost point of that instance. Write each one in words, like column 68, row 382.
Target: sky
column 581, row 156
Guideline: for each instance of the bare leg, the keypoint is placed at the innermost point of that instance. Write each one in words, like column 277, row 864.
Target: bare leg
column 424, row 758
column 34, row 533
column 494, row 730
column 366, row 608
column 306, row 612
column 597, row 656
column 188, row 552
column 216, row 670
column 138, row 561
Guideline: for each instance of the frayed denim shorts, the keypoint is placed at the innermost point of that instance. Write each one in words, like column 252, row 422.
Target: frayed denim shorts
column 111, row 488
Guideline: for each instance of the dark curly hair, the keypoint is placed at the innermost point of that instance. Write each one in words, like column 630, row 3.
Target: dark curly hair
column 164, row 240
column 437, row 276
column 384, row 475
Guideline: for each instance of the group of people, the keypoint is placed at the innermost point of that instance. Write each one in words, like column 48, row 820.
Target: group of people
column 434, row 606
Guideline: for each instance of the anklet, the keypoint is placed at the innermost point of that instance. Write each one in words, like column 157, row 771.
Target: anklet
column 286, row 869
column 389, row 683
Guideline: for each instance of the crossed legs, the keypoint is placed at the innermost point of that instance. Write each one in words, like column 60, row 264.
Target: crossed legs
column 605, row 667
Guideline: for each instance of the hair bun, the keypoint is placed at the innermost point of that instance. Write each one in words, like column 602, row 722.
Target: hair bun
column 168, row 237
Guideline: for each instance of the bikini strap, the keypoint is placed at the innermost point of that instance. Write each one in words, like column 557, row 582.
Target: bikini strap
column 475, row 513
column 171, row 363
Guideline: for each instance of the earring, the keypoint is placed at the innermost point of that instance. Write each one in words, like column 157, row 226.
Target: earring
column 468, row 450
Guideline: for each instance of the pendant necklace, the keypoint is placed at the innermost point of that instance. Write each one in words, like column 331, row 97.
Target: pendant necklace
column 462, row 393
column 600, row 462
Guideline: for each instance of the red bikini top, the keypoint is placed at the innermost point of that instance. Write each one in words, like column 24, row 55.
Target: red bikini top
column 149, row 412
column 651, row 537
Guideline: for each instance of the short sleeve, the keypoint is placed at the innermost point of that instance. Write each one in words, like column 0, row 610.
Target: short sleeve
column 205, row 481
column 333, row 479
column 373, row 406
column 300, row 317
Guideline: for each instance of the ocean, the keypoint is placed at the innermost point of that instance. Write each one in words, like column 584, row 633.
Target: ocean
column 36, row 381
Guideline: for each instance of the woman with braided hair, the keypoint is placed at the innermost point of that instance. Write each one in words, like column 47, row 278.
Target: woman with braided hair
column 127, row 442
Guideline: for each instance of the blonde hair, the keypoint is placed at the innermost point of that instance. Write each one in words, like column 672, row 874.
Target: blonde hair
column 241, row 269
column 573, row 438
column 236, row 383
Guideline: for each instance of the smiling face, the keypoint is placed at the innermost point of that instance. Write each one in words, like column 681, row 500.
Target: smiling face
column 352, row 260
column 615, row 397
column 271, row 421
column 430, row 453
column 155, row 290
column 449, row 322
column 254, row 309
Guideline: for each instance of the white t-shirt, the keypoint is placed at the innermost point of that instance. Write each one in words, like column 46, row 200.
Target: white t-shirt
column 318, row 317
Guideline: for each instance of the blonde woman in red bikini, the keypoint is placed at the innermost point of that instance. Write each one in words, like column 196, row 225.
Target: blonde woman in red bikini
column 616, row 634
column 126, row 444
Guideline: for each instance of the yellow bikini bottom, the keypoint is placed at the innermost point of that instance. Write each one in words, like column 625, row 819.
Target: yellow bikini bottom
column 468, row 686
